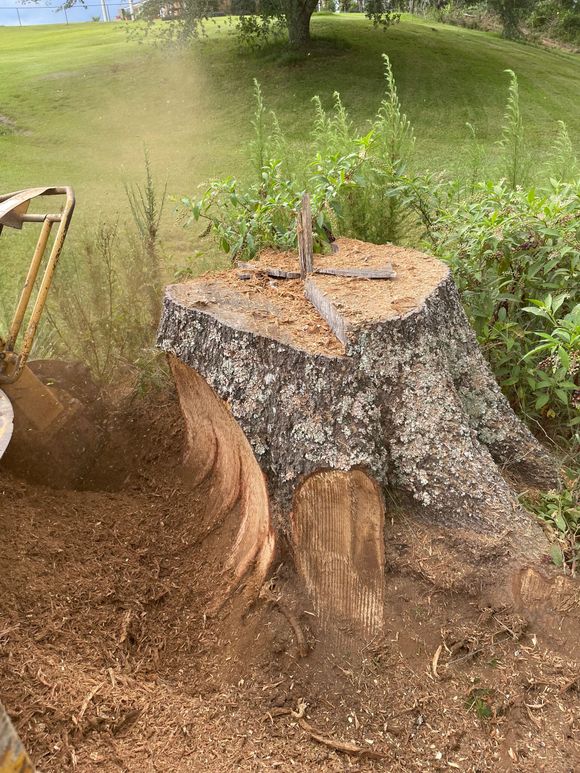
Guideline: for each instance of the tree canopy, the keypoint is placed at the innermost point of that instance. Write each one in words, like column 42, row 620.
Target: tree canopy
column 258, row 19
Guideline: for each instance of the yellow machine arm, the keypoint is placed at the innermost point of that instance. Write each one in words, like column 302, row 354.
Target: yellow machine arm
column 36, row 407
column 13, row 757
column 14, row 213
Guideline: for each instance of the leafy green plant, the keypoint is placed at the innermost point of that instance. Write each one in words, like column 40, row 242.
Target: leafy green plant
column 556, row 356
column 360, row 185
column 507, row 247
column 479, row 701
column 559, row 511
column 476, row 158
column 379, row 205
column 248, row 218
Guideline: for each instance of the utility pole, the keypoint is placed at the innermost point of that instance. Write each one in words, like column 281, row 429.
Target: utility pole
column 104, row 11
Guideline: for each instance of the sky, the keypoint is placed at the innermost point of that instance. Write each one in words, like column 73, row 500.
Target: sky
column 46, row 12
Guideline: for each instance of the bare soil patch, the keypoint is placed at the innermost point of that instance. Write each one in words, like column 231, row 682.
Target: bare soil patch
column 108, row 661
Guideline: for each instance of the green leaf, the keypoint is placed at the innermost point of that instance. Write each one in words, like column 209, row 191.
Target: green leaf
column 561, row 523
column 556, row 555
column 558, row 301
column 564, row 358
column 536, row 312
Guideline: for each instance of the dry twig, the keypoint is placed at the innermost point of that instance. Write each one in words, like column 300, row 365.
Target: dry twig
column 340, row 746
column 302, row 644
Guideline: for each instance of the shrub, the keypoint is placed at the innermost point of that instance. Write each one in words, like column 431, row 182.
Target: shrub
column 360, row 185
column 515, row 256
column 559, row 512
column 558, row 19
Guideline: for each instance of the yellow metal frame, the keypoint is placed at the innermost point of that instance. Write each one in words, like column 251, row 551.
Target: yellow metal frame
column 14, row 213
column 13, row 756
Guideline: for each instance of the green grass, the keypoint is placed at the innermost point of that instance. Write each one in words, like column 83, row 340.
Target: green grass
column 84, row 100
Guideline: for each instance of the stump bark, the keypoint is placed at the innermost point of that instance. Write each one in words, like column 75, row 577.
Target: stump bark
column 306, row 401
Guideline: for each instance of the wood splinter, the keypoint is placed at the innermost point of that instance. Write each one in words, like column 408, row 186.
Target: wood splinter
column 304, row 231
column 385, row 272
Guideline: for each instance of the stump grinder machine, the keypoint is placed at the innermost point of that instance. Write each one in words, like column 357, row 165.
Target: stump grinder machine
column 33, row 414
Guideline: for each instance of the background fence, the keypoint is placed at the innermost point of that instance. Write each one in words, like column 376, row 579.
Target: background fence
column 13, row 14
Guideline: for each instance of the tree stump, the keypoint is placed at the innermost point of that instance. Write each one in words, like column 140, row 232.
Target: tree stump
column 306, row 401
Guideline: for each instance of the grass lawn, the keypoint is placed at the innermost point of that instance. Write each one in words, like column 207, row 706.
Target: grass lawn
column 83, row 100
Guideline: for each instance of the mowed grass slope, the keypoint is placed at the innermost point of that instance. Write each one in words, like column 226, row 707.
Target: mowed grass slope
column 84, row 100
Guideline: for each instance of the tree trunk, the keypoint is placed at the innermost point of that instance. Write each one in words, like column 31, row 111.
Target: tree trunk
column 298, row 15
column 302, row 412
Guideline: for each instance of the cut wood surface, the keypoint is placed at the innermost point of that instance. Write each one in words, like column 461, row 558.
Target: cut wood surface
column 328, row 310
column 338, row 521
column 225, row 469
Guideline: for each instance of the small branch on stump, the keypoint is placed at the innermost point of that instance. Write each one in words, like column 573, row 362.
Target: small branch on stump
column 327, row 310
column 354, row 273
column 304, row 229
column 273, row 271
column 360, row 273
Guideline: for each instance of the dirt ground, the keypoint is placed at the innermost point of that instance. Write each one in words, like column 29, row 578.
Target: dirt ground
column 108, row 661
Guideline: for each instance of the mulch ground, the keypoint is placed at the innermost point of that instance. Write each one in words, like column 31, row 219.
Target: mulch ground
column 108, row 661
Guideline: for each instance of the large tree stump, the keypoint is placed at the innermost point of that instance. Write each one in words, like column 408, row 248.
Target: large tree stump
column 302, row 411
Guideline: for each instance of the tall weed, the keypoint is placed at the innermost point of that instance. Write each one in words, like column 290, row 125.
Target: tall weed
column 515, row 160
column 105, row 305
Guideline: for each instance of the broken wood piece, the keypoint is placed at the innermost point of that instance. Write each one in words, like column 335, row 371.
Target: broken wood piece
column 339, row 746
column 327, row 310
column 360, row 273
column 435, row 661
column 276, row 273
column 304, row 230
column 280, row 273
